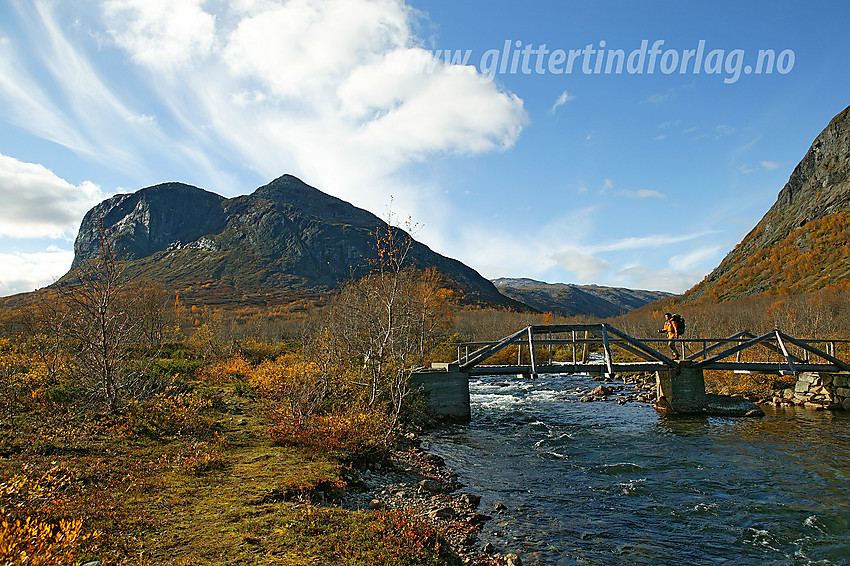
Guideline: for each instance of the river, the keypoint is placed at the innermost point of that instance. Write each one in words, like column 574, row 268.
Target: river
column 602, row 483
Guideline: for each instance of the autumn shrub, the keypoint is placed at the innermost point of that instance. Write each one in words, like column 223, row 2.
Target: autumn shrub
column 350, row 436
column 387, row 538
column 172, row 413
column 301, row 382
column 167, row 369
column 242, row 388
column 730, row 383
column 256, row 352
column 38, row 542
column 28, row 533
column 421, row 542
column 28, row 382
column 227, row 371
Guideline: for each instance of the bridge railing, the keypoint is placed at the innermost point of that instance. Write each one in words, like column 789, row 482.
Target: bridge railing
column 793, row 354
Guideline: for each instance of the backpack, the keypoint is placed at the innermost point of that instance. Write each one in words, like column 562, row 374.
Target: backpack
column 680, row 323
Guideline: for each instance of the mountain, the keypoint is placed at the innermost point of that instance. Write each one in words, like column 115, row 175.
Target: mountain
column 803, row 242
column 286, row 240
column 575, row 300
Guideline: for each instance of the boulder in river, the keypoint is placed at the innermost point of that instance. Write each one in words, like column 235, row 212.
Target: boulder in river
column 603, row 391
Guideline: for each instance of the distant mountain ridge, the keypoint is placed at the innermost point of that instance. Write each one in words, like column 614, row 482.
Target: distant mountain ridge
column 576, row 300
column 803, row 242
column 286, row 239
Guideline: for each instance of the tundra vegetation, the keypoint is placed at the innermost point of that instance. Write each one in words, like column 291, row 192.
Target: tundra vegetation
column 138, row 429
column 135, row 429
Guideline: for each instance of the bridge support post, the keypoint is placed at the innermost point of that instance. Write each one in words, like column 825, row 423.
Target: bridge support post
column 446, row 391
column 828, row 390
column 680, row 389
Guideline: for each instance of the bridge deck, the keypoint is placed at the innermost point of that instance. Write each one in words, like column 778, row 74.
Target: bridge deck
column 793, row 355
column 637, row 367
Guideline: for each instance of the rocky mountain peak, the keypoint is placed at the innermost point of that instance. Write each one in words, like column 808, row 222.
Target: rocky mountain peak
column 297, row 195
column 283, row 240
column 818, row 185
column 800, row 242
column 153, row 219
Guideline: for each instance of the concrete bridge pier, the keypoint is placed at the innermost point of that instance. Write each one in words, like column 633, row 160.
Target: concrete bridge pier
column 446, row 391
column 681, row 390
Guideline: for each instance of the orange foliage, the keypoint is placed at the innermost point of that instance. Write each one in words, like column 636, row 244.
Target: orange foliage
column 349, row 435
column 26, row 535
column 809, row 258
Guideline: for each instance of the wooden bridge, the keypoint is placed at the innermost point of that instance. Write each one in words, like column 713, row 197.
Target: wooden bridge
column 601, row 349
column 622, row 353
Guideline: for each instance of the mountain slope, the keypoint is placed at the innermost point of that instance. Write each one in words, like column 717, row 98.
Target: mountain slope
column 285, row 240
column 575, row 300
column 803, row 242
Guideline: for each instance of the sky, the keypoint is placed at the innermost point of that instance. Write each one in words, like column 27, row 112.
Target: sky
column 629, row 144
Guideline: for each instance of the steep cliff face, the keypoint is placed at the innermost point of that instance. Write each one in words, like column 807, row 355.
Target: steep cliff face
column 158, row 218
column 801, row 243
column 577, row 300
column 287, row 238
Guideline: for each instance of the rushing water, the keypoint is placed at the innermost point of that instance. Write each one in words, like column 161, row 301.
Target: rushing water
column 602, row 483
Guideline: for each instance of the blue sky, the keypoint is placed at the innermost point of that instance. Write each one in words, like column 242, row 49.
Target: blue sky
column 633, row 167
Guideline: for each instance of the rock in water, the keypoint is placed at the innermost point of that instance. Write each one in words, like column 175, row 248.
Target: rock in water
column 602, row 391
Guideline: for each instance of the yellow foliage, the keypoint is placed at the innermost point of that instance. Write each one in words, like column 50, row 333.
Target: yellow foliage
column 279, row 377
column 26, row 378
column 25, row 536
column 36, row 542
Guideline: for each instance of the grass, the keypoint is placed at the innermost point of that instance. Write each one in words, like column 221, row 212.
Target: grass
column 197, row 483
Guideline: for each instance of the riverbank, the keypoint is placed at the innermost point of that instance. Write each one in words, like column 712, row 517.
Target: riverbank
column 420, row 483
column 195, row 479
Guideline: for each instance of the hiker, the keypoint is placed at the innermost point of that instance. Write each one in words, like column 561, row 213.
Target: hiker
column 672, row 330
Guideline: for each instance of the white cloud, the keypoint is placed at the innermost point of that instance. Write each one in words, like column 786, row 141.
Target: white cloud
column 684, row 271
column 304, row 45
column 27, row 271
column 563, row 250
column 27, row 105
column 585, row 267
column 338, row 92
column 161, row 32
column 642, row 193
column 745, row 170
column 38, row 204
column 688, row 261
column 770, row 165
column 667, row 279
column 53, row 90
column 563, row 99
column 333, row 91
column 652, row 241
column 410, row 115
column 658, row 98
